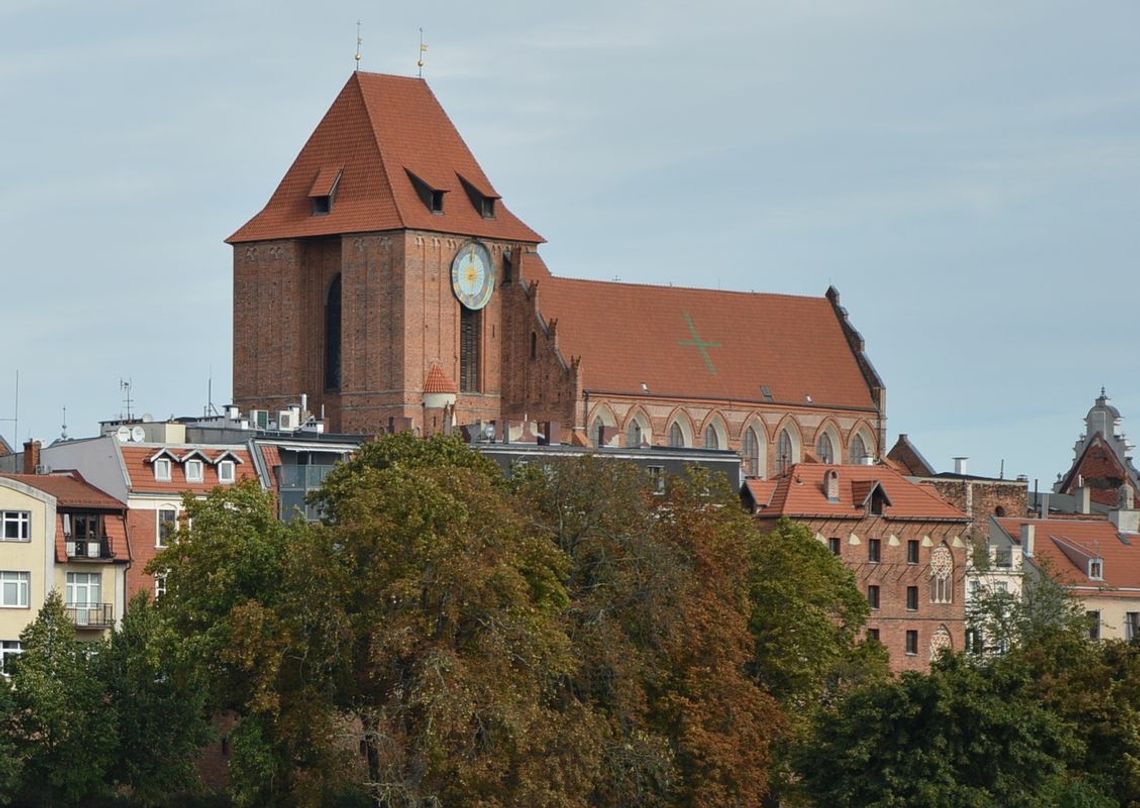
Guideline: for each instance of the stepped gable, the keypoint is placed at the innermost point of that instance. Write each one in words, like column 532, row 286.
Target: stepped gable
column 703, row 343
column 381, row 136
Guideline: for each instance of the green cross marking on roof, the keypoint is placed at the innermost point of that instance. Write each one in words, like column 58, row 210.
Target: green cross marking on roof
column 698, row 343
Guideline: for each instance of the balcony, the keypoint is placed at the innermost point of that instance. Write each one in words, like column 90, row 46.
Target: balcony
column 81, row 550
column 303, row 478
column 92, row 615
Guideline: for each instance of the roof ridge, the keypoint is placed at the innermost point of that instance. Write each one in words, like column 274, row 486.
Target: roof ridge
column 374, row 139
column 636, row 285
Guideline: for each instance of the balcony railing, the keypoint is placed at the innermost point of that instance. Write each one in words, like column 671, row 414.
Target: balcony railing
column 303, row 478
column 88, row 549
column 92, row 615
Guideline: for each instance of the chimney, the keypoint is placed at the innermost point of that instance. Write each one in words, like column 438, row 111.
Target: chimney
column 31, row 456
column 1127, row 497
column 960, row 465
column 1027, row 537
column 831, row 485
column 1043, row 508
column 1084, row 499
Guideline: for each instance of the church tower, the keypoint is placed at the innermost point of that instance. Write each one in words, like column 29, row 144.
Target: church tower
column 376, row 264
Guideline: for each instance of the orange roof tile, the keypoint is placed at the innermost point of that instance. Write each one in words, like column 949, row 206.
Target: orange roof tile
column 702, row 343
column 140, row 471
column 114, row 527
column 1068, row 543
column 70, row 490
column 379, row 129
column 437, row 382
column 801, row 493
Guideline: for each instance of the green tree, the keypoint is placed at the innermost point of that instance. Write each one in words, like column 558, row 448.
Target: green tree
column 63, row 723
column 964, row 734
column 159, row 703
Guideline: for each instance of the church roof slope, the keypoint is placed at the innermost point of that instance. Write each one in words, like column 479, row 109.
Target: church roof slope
column 383, row 144
column 704, row 343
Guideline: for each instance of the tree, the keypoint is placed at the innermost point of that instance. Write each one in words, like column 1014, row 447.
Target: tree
column 159, row 703
column 63, row 722
column 964, row 734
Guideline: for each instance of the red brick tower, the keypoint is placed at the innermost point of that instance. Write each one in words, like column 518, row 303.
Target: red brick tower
column 348, row 285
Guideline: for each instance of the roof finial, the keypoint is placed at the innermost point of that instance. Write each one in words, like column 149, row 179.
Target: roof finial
column 1102, row 391
column 423, row 50
column 358, row 43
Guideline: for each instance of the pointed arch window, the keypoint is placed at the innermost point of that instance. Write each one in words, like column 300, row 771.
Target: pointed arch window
column 750, row 449
column 941, row 575
column 825, row 449
column 676, row 436
column 712, row 440
column 784, row 457
column 858, row 449
column 333, row 335
column 633, row 434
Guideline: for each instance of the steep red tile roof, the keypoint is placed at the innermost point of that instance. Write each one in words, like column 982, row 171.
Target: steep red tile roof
column 801, row 493
column 140, row 471
column 378, row 130
column 701, row 343
column 761, row 491
column 1067, row 543
column 1097, row 464
column 437, row 382
column 115, row 528
column 70, row 490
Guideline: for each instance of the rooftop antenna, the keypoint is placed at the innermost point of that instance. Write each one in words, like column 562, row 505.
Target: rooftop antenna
column 125, row 387
column 359, row 41
column 15, row 419
column 210, row 408
column 423, row 50
column 63, row 428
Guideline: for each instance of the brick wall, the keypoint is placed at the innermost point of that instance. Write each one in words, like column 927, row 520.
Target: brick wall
column 981, row 499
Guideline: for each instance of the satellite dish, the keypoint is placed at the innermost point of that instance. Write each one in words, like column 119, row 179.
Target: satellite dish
column 138, row 434
column 147, row 417
column 123, row 433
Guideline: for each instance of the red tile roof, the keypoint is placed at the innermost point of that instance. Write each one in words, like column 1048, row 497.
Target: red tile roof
column 70, row 490
column 114, row 527
column 1067, row 543
column 140, row 471
column 701, row 343
column 801, row 493
column 437, row 382
column 378, row 130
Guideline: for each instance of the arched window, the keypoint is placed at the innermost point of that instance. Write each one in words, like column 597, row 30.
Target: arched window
column 598, row 433
column 825, row 449
column 940, row 643
column 858, row 449
column 941, row 575
column 332, row 336
column 676, row 436
column 750, row 449
column 633, row 434
column 784, row 456
column 712, row 441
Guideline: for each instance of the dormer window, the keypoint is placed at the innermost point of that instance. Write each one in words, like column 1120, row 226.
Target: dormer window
column 226, row 471
column 194, row 471
column 162, row 469
column 482, row 199
column 429, row 194
column 323, row 191
column 1096, row 569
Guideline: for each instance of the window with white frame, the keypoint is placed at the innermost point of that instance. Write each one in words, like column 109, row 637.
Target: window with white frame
column 17, row 525
column 656, row 479
column 941, row 575
column 194, row 471
column 9, row 649
column 1096, row 568
column 167, row 525
column 1131, row 625
column 226, row 471
column 159, row 586
column 162, row 469
column 84, row 588
column 14, row 588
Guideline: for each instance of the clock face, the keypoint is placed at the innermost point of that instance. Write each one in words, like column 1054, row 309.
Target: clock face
column 472, row 275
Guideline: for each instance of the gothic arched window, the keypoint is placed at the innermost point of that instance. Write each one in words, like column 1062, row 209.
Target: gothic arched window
column 784, row 457
column 825, row 449
column 676, row 436
column 940, row 643
column 332, row 336
column 941, row 575
column 470, row 349
column 750, row 449
column 711, row 439
column 633, row 434
column 858, row 449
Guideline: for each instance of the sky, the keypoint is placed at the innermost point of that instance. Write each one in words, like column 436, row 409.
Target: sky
column 967, row 175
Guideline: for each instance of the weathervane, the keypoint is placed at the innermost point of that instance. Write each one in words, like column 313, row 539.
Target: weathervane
column 423, row 50
column 358, row 43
